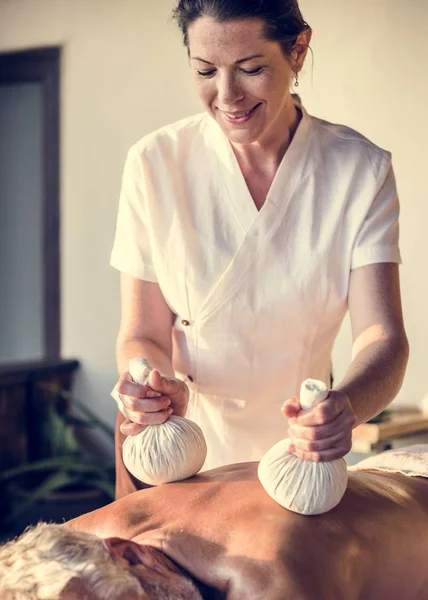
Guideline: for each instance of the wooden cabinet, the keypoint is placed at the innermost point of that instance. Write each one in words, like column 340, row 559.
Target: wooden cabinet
column 24, row 399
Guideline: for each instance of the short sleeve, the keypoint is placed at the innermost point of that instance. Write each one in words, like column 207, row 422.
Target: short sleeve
column 378, row 238
column 131, row 251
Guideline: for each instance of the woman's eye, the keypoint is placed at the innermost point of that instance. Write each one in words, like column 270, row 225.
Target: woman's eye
column 211, row 72
column 252, row 71
column 206, row 73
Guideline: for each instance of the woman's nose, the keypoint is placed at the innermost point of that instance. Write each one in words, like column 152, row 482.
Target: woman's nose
column 228, row 92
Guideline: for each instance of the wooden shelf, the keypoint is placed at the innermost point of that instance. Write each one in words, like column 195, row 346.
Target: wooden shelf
column 399, row 423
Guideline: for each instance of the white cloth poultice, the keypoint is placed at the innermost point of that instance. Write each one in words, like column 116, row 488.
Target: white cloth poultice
column 254, row 291
column 303, row 486
column 312, row 392
column 410, row 460
column 163, row 453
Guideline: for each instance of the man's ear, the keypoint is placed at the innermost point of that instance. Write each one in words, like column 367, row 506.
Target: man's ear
column 127, row 553
column 118, row 548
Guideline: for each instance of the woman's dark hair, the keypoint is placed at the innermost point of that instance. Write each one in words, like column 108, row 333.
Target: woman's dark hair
column 283, row 19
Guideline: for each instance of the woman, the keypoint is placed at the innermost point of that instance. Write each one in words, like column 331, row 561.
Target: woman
column 244, row 234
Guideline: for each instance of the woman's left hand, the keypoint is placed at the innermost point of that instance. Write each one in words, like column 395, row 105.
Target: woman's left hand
column 323, row 433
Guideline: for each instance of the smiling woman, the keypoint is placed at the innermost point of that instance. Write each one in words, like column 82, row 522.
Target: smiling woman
column 244, row 234
column 243, row 81
column 243, row 74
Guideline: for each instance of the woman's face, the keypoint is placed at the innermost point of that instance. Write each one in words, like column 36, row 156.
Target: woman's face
column 242, row 79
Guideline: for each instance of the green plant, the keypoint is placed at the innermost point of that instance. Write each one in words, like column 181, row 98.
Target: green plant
column 68, row 466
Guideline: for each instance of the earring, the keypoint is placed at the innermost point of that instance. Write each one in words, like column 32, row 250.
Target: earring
column 296, row 79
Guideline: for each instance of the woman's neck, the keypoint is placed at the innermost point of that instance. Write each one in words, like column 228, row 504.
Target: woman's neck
column 270, row 150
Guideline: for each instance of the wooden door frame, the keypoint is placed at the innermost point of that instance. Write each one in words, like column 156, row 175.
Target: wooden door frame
column 42, row 65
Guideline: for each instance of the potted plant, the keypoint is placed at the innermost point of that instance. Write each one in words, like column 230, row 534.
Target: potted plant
column 67, row 482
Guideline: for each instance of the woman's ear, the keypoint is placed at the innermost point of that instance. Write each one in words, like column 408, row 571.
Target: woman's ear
column 301, row 48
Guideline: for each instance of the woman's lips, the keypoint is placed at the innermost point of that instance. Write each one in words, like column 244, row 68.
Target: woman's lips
column 241, row 116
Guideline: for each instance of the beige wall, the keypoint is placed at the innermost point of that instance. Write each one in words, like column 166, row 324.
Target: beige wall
column 124, row 73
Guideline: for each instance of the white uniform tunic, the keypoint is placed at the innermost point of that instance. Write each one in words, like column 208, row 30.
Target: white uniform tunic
column 259, row 295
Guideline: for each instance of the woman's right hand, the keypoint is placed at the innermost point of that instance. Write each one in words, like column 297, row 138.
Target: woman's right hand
column 150, row 404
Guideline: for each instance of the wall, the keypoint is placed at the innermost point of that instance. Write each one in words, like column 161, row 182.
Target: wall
column 21, row 290
column 124, row 73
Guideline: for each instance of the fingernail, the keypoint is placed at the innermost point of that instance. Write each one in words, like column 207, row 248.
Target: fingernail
column 170, row 410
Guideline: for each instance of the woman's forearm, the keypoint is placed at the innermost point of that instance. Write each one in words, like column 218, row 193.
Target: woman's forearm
column 375, row 376
column 158, row 357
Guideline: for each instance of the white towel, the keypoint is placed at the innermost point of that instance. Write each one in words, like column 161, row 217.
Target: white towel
column 411, row 461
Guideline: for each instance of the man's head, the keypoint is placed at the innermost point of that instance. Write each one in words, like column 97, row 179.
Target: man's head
column 53, row 562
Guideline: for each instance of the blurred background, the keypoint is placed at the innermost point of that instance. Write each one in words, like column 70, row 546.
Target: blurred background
column 82, row 80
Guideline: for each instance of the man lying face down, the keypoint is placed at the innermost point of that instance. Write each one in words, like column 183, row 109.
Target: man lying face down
column 219, row 535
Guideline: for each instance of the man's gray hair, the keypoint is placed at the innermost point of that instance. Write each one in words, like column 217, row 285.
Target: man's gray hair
column 44, row 559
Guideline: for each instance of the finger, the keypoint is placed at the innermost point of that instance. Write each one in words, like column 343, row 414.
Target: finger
column 319, row 432
column 156, row 418
column 146, row 405
column 322, row 413
column 291, row 407
column 130, row 428
column 130, row 388
column 321, row 455
column 341, row 439
column 152, row 393
column 167, row 387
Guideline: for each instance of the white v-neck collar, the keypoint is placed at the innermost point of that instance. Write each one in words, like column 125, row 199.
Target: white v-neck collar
column 258, row 226
column 234, row 182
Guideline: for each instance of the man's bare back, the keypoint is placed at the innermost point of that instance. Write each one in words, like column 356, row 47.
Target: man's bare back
column 224, row 529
